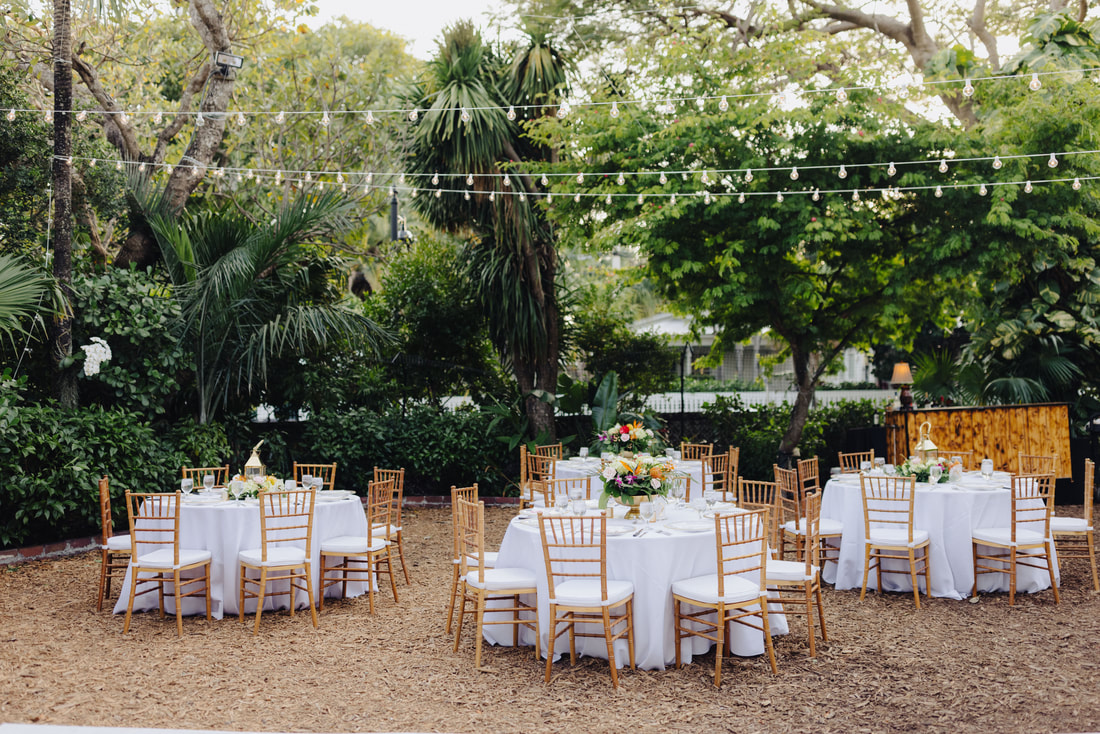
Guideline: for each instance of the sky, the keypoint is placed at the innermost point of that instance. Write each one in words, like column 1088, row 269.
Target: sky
column 418, row 21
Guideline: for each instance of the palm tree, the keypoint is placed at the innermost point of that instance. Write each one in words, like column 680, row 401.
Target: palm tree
column 25, row 292
column 254, row 291
column 511, row 259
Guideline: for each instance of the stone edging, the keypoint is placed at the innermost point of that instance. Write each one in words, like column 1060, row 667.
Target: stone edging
column 62, row 548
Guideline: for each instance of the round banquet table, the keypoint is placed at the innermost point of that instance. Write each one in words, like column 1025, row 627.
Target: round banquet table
column 227, row 528
column 577, row 468
column 949, row 512
column 652, row 562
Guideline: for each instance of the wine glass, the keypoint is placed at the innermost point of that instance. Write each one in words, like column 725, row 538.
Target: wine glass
column 646, row 510
column 583, row 453
column 710, row 496
column 987, row 469
column 934, row 474
column 186, row 485
column 208, row 482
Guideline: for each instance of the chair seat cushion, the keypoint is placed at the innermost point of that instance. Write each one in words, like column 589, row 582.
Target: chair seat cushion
column 352, row 544
column 825, row 527
column 503, row 579
column 278, row 556
column 897, row 538
column 162, row 558
column 1069, row 525
column 587, row 593
column 490, row 560
column 705, row 589
column 788, row 571
column 1003, row 536
column 119, row 543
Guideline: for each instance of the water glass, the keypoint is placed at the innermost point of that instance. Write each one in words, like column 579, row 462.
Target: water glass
column 987, row 469
column 186, row 485
column 208, row 482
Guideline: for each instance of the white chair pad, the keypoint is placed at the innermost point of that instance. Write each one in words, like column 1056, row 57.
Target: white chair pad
column 1003, row 536
column 586, row 593
column 352, row 544
column 1069, row 525
column 280, row 556
column 788, row 571
column 119, row 543
column 897, row 538
column 162, row 558
column 705, row 589
column 825, row 526
column 503, row 579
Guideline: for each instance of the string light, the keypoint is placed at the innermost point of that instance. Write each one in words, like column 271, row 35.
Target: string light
column 614, row 112
column 1035, row 85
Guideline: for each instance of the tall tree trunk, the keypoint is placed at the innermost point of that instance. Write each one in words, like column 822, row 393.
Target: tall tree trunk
column 806, row 380
column 61, row 331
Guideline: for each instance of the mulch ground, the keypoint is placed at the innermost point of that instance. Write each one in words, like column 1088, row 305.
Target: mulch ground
column 950, row 666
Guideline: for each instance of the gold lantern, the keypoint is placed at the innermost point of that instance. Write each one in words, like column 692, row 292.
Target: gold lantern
column 254, row 468
column 925, row 449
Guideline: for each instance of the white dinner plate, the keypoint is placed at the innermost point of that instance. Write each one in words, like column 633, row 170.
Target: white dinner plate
column 691, row 526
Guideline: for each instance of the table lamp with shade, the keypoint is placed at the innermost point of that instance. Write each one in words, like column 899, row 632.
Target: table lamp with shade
column 903, row 376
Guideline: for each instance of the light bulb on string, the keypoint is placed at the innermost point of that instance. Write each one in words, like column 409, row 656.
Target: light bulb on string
column 723, row 104
column 469, row 179
column 939, row 191
column 511, row 112
column 748, row 175
column 816, row 195
column 614, row 111
column 240, row 119
column 794, row 174
column 465, row 115
column 968, row 89
column 544, row 181
column 200, row 121
column 1076, row 184
column 741, row 198
column 997, row 162
column 843, row 172
column 943, row 166
column 619, row 179
column 158, row 117
column 82, row 116
column 891, row 170
column 413, row 114
column 1027, row 187
column 435, row 179
column 370, row 117
column 1035, row 85
column 662, row 179
column 1052, row 162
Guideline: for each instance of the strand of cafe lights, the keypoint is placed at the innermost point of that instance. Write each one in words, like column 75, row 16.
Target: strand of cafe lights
column 512, row 111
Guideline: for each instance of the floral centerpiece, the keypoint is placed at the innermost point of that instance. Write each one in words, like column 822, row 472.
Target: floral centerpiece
column 629, row 437
column 253, row 487
column 922, row 469
column 627, row 479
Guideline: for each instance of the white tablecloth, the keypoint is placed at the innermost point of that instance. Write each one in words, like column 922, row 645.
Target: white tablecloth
column 577, row 468
column 227, row 528
column 652, row 562
column 949, row 512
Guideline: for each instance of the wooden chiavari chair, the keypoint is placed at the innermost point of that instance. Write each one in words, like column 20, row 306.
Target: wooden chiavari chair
column 850, row 462
column 345, row 554
column 1074, row 537
column 575, row 551
column 155, row 539
column 1026, row 541
column 327, row 473
column 736, row 593
column 889, row 533
column 396, row 534
column 114, row 549
column 482, row 584
column 798, row 583
column 286, row 540
column 196, row 473
column 695, row 451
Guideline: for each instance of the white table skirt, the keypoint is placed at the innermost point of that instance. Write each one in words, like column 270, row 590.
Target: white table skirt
column 578, row 468
column 652, row 562
column 228, row 528
column 949, row 513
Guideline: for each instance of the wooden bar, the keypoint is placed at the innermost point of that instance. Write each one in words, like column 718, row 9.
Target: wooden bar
column 994, row 432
